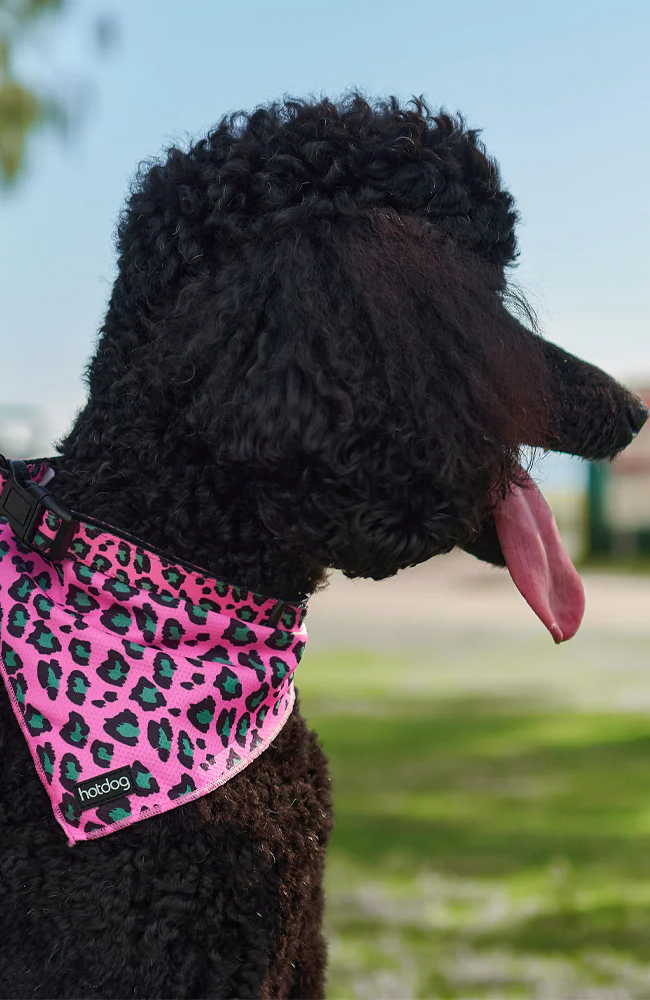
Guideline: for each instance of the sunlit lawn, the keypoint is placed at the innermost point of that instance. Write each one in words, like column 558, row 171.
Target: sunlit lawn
column 492, row 840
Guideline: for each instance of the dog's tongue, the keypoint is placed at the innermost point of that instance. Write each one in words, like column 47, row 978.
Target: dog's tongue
column 538, row 561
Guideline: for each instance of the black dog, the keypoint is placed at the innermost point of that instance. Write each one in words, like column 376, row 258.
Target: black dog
column 308, row 361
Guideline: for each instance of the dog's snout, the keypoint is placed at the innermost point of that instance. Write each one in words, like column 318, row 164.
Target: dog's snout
column 637, row 415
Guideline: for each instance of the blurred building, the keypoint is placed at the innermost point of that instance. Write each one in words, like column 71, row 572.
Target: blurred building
column 23, row 432
column 619, row 499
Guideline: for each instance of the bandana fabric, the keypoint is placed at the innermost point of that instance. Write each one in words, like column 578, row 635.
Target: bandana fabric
column 139, row 684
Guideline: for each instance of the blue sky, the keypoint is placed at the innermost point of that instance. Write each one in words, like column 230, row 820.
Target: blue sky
column 560, row 90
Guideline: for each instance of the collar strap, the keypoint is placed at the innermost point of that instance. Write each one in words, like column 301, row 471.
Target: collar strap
column 48, row 527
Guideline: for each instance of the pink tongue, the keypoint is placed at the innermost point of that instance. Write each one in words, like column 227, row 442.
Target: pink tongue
column 538, row 561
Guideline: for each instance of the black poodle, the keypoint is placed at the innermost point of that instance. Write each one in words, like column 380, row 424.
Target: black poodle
column 310, row 359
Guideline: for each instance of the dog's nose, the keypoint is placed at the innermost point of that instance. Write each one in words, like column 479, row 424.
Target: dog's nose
column 637, row 416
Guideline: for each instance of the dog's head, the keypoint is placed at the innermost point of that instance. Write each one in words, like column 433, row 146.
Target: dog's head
column 314, row 301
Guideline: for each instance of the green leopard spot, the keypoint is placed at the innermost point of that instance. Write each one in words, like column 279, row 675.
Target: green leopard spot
column 121, row 620
column 148, row 694
column 128, row 731
column 104, row 754
column 204, row 716
column 77, row 734
column 80, row 686
column 81, row 652
column 118, row 813
column 121, row 588
column 25, row 589
column 10, row 659
column 163, row 742
column 36, row 720
column 166, row 668
column 188, row 749
column 199, row 612
column 20, row 618
column 226, row 728
column 48, row 764
column 39, row 541
column 231, row 684
column 71, row 771
column 19, row 691
column 52, row 679
column 143, row 780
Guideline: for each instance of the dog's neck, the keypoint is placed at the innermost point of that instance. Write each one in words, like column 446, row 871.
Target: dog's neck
column 195, row 513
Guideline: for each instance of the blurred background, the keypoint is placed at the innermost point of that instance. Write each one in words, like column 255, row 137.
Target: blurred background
column 492, row 791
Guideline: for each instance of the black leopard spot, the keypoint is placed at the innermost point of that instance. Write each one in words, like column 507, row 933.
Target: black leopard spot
column 255, row 699
column 185, row 750
column 174, row 577
column 100, row 563
column 123, row 727
column 147, row 695
column 19, row 685
column 123, row 554
column 228, row 684
column 47, row 758
column 221, row 588
column 17, row 621
column 241, row 732
column 21, row 589
column 279, row 671
column 43, row 639
column 233, row 758
column 80, row 548
column 225, row 725
column 114, row 669
column 69, row 771
column 117, row 619
column 288, row 618
column 77, row 688
column 174, row 711
column 239, row 635
column 279, row 639
column 298, row 650
column 261, row 715
column 90, row 826
column 119, row 589
column 11, row 659
column 256, row 739
column 196, row 614
column 42, row 606
column 253, row 661
column 217, row 654
column 80, row 650
column 143, row 780
column 164, row 599
column 82, row 572
column 147, row 620
column 201, row 714
column 76, row 730
column 80, row 600
column 36, row 722
column 102, row 753
column 43, row 580
column 184, row 787
column 142, row 562
column 113, row 812
column 160, row 736
column 164, row 668
column 172, row 633
column 49, row 675
column 133, row 649
column 70, row 809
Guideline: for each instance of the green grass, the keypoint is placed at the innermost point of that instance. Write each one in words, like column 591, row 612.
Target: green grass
column 486, row 844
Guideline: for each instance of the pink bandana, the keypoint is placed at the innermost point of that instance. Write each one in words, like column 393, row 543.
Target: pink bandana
column 139, row 683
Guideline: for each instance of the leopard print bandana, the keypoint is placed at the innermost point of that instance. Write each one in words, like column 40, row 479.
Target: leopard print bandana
column 139, row 683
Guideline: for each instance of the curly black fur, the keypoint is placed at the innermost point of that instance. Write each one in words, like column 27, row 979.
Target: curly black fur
column 310, row 360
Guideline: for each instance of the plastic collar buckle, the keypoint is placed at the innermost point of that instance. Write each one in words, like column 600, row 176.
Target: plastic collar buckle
column 23, row 502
